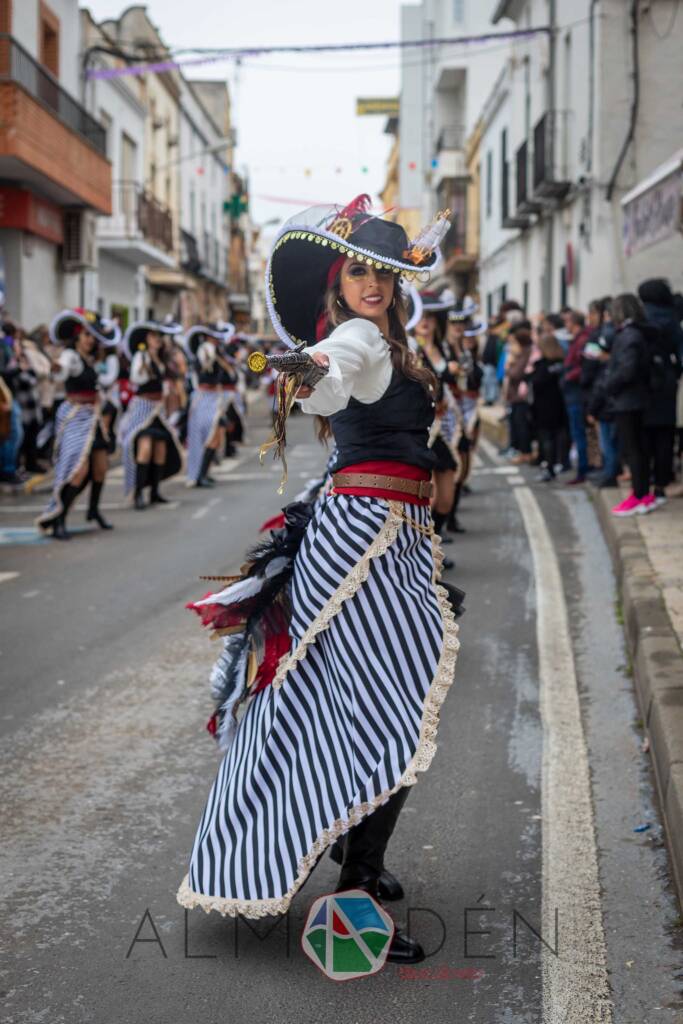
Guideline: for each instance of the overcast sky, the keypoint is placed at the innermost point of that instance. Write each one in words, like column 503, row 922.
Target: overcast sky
column 299, row 136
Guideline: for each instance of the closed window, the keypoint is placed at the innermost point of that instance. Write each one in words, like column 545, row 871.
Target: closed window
column 459, row 11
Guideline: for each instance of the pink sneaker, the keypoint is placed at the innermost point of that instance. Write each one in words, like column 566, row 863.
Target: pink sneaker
column 628, row 507
column 647, row 504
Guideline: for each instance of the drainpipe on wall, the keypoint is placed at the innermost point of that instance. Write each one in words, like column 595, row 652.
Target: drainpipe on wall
column 548, row 280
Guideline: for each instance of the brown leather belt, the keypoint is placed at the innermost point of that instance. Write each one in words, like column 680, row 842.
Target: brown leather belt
column 419, row 488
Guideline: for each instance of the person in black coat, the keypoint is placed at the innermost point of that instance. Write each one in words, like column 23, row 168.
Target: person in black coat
column 666, row 352
column 627, row 385
column 550, row 414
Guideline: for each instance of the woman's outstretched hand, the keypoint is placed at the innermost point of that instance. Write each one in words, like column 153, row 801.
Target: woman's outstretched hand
column 322, row 360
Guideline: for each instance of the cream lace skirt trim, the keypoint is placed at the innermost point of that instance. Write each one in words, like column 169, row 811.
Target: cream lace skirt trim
column 426, row 747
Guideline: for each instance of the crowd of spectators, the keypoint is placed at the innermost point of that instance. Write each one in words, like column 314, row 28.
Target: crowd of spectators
column 596, row 393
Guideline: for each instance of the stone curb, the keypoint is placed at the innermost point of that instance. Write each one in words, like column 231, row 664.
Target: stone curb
column 657, row 664
column 492, row 428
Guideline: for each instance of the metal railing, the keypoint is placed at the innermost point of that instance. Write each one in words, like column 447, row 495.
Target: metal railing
column 155, row 221
column 16, row 65
column 190, row 258
column 136, row 212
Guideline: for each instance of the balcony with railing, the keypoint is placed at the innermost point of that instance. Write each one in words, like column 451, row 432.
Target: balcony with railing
column 450, row 154
column 525, row 203
column 140, row 229
column 509, row 219
column 45, row 129
column 548, row 182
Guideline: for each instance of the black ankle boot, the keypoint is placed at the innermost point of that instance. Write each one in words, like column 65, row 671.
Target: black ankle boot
column 203, row 480
column 155, row 476
column 59, row 530
column 141, row 481
column 94, row 514
column 403, row 949
column 67, row 496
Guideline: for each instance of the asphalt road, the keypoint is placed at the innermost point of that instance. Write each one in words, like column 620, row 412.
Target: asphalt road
column 530, row 806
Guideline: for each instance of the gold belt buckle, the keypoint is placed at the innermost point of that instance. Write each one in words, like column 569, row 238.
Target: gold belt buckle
column 427, row 491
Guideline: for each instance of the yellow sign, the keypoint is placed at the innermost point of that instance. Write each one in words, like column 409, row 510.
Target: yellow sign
column 387, row 106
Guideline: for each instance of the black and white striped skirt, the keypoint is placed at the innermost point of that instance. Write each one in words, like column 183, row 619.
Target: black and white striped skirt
column 146, row 417
column 76, row 430
column 351, row 715
column 207, row 408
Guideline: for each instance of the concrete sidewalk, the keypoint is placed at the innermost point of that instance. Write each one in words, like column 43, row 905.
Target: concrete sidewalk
column 647, row 553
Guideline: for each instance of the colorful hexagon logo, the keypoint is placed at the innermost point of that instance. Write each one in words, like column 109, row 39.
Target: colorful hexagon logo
column 347, row 935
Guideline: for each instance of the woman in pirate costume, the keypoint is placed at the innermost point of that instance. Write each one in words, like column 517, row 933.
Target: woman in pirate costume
column 462, row 339
column 230, row 379
column 430, row 332
column 81, row 436
column 207, row 422
column 150, row 445
column 338, row 726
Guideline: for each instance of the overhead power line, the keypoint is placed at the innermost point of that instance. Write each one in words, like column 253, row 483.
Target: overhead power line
column 215, row 56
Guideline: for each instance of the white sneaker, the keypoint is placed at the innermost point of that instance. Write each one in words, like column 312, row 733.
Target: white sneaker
column 660, row 500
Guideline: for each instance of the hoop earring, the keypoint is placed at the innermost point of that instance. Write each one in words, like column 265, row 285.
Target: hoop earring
column 393, row 302
column 341, row 303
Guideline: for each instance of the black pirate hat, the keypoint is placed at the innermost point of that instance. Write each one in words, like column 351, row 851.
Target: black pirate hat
column 313, row 242
column 67, row 325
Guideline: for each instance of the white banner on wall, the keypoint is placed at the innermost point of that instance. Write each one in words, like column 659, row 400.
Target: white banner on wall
column 652, row 210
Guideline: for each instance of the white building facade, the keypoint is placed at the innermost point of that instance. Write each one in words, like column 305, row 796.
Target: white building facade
column 588, row 110
column 442, row 88
column 204, row 194
column 137, row 234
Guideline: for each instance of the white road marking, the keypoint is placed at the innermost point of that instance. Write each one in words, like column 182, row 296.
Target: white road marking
column 515, row 481
column 30, row 593
column 575, row 984
column 201, row 512
column 498, row 470
column 5, row 577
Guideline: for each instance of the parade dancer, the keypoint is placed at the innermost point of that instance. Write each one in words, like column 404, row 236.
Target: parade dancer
column 429, row 335
column 338, row 725
column 206, row 426
column 150, row 445
column 464, row 329
column 229, row 378
column 81, row 436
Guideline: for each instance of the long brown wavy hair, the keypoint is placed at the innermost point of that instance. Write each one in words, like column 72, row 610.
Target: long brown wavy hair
column 402, row 358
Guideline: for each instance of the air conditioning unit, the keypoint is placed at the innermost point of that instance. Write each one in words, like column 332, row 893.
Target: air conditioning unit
column 79, row 251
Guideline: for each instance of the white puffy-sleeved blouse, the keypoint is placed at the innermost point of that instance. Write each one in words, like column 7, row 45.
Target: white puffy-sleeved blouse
column 360, row 368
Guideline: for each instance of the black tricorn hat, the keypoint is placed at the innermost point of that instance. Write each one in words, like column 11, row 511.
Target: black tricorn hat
column 311, row 243
column 66, row 325
column 135, row 337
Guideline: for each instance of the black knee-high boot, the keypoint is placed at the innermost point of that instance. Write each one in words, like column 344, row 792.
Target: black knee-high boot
column 453, row 524
column 364, row 848
column 141, row 481
column 203, row 478
column 439, row 519
column 68, row 495
column 155, row 477
column 94, row 507
column 363, row 838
